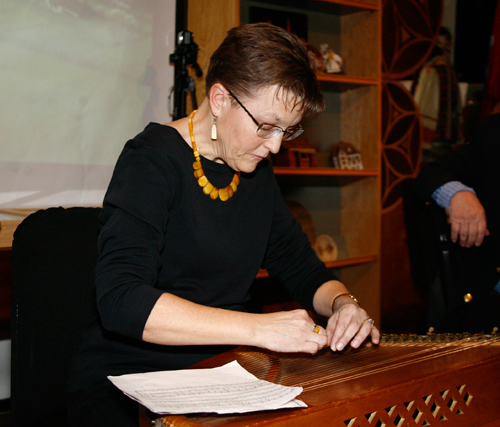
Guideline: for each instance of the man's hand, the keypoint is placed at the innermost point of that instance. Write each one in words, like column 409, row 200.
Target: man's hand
column 468, row 219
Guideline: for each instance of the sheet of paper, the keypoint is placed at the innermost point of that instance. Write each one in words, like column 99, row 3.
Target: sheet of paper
column 223, row 390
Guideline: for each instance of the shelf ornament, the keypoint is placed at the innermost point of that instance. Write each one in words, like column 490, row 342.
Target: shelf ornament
column 304, row 218
column 333, row 63
column 346, row 156
column 298, row 153
column 326, row 248
column 316, row 57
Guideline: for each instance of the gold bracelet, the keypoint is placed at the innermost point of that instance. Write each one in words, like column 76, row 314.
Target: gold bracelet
column 347, row 294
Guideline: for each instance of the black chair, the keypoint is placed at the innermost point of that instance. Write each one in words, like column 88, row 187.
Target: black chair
column 53, row 257
column 430, row 251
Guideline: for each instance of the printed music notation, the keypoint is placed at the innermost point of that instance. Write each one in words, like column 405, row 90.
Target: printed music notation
column 223, row 390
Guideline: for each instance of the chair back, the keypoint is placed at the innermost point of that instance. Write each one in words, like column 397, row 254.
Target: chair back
column 54, row 253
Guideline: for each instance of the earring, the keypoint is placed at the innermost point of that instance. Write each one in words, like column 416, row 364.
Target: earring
column 214, row 130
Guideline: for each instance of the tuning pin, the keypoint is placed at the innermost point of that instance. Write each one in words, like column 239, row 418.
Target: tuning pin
column 450, row 337
column 429, row 336
column 441, row 337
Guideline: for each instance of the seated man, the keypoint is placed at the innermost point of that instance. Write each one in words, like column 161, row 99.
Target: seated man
column 465, row 182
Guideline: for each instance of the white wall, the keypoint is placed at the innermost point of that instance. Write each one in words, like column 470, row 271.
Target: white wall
column 77, row 79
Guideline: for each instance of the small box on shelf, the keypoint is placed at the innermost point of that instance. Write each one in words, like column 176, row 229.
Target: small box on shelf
column 296, row 153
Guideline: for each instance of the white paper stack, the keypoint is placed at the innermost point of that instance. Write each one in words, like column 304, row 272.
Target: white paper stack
column 223, row 390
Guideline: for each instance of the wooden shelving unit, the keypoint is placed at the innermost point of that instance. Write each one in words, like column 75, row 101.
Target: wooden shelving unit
column 343, row 203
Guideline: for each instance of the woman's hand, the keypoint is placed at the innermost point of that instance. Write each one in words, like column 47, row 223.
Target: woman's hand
column 176, row 321
column 349, row 323
column 289, row 331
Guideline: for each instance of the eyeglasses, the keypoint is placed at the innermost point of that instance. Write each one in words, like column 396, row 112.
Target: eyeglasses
column 267, row 131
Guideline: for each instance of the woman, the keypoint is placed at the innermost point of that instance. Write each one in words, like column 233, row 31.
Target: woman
column 191, row 214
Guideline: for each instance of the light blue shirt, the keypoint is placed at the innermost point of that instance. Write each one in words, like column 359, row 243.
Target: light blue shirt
column 443, row 196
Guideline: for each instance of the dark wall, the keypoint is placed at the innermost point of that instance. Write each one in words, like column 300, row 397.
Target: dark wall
column 474, row 23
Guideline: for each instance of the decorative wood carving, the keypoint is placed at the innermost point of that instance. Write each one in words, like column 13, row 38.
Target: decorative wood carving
column 401, row 139
column 409, row 31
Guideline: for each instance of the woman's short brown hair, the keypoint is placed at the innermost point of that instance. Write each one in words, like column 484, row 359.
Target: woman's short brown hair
column 254, row 56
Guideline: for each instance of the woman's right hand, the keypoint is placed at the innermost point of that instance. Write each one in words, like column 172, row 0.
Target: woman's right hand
column 289, row 331
column 176, row 321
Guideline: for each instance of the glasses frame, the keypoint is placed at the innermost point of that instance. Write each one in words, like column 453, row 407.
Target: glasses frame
column 296, row 130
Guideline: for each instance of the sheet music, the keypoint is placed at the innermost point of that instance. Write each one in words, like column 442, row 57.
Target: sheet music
column 223, row 390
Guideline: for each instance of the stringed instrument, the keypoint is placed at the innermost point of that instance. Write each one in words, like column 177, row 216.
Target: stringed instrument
column 405, row 381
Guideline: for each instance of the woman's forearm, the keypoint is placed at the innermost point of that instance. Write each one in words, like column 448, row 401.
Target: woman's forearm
column 176, row 321
column 325, row 295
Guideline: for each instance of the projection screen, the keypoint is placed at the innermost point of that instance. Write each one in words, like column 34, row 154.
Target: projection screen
column 78, row 79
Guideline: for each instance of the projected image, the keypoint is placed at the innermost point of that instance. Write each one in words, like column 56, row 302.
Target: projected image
column 78, row 78
column 133, row 12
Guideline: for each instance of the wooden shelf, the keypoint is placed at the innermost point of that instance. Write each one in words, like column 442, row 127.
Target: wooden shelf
column 359, row 4
column 283, row 170
column 344, row 262
column 327, row 6
column 348, row 80
column 321, row 176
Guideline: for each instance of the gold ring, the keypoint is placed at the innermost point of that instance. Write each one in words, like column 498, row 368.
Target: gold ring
column 369, row 320
column 316, row 329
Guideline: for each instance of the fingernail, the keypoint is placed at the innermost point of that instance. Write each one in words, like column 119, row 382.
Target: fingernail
column 340, row 346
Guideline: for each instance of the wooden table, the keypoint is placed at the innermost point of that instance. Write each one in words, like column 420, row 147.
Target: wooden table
column 7, row 229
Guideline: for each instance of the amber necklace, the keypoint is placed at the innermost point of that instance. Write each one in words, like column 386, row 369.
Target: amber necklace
column 208, row 188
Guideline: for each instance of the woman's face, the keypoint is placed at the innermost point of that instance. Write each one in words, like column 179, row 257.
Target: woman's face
column 238, row 144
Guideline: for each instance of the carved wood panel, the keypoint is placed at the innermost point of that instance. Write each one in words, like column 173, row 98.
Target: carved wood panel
column 401, row 138
column 409, row 31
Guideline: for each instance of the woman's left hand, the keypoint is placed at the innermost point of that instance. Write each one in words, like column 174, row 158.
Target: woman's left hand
column 349, row 323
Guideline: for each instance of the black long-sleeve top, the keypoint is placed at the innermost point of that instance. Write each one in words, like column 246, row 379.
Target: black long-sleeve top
column 161, row 233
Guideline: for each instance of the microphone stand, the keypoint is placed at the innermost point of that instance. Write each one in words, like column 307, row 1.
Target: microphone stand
column 186, row 53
